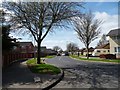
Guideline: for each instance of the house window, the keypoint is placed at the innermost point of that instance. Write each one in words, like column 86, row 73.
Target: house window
column 118, row 37
column 118, row 49
column 115, row 49
column 98, row 50
column 104, row 51
column 14, row 47
column 114, row 37
column 30, row 47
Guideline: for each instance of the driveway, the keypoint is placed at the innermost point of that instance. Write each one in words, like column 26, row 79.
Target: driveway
column 84, row 74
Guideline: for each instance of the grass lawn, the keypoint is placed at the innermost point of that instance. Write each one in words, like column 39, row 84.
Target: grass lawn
column 96, row 59
column 52, row 56
column 42, row 68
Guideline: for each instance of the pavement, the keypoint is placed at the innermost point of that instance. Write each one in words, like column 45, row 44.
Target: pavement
column 86, row 75
column 78, row 75
column 18, row 76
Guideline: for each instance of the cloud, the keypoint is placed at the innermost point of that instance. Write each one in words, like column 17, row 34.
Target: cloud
column 74, row 33
column 110, row 21
column 52, row 43
column 62, row 38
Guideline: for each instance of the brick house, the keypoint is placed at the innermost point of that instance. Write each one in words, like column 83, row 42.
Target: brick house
column 24, row 47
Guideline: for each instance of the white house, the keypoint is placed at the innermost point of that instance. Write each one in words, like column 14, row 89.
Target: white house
column 103, row 49
column 114, row 39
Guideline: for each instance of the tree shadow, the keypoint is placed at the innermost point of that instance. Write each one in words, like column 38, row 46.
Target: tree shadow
column 95, row 76
column 18, row 74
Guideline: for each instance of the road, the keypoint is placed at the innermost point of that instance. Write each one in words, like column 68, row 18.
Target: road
column 84, row 74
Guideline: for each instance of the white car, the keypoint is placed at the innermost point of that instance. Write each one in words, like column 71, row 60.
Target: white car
column 63, row 54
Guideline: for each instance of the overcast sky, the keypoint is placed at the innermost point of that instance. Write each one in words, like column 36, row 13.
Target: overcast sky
column 107, row 11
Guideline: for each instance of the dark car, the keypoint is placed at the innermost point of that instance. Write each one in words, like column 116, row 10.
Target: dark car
column 89, row 55
column 66, row 54
column 58, row 54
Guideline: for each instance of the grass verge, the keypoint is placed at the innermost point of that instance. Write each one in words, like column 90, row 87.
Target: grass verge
column 42, row 68
column 96, row 59
column 52, row 56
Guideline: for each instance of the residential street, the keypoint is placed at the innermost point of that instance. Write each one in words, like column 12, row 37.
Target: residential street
column 18, row 76
column 84, row 74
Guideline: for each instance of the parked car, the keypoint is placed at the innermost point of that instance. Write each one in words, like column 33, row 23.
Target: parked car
column 89, row 55
column 58, row 54
column 66, row 54
column 63, row 54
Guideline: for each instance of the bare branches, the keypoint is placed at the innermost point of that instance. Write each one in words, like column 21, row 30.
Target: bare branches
column 39, row 16
column 87, row 28
column 72, row 47
column 42, row 17
column 56, row 48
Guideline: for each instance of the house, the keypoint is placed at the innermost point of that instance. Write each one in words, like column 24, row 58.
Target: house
column 114, row 39
column 103, row 49
column 24, row 47
column 51, row 52
column 46, row 51
column 91, row 49
column 83, row 51
column 43, row 49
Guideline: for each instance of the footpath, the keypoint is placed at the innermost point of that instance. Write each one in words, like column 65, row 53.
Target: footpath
column 18, row 76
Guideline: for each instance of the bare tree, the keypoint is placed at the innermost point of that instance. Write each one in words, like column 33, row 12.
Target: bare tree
column 39, row 18
column 103, row 40
column 88, row 29
column 72, row 47
column 56, row 48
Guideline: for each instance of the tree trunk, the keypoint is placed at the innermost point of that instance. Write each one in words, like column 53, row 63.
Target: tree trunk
column 72, row 53
column 39, row 53
column 87, row 52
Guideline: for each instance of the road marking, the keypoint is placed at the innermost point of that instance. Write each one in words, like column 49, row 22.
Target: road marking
column 60, row 58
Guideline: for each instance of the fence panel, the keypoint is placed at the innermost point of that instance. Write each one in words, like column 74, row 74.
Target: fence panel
column 10, row 57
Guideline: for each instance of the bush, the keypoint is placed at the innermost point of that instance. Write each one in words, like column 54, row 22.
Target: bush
column 108, row 56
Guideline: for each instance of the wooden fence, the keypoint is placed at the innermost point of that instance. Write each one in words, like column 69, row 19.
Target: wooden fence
column 7, row 59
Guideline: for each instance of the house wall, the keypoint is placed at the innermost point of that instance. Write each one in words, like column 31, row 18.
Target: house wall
column 102, row 51
column 24, row 49
column 84, row 53
column 113, row 44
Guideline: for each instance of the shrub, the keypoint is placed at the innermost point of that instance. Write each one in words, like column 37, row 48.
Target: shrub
column 108, row 56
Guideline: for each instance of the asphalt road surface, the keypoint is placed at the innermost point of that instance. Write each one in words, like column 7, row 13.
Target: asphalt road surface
column 84, row 74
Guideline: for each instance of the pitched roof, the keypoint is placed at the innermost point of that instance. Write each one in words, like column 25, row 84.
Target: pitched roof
column 80, row 50
column 24, row 43
column 115, row 32
column 50, row 51
column 91, row 49
column 104, row 46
